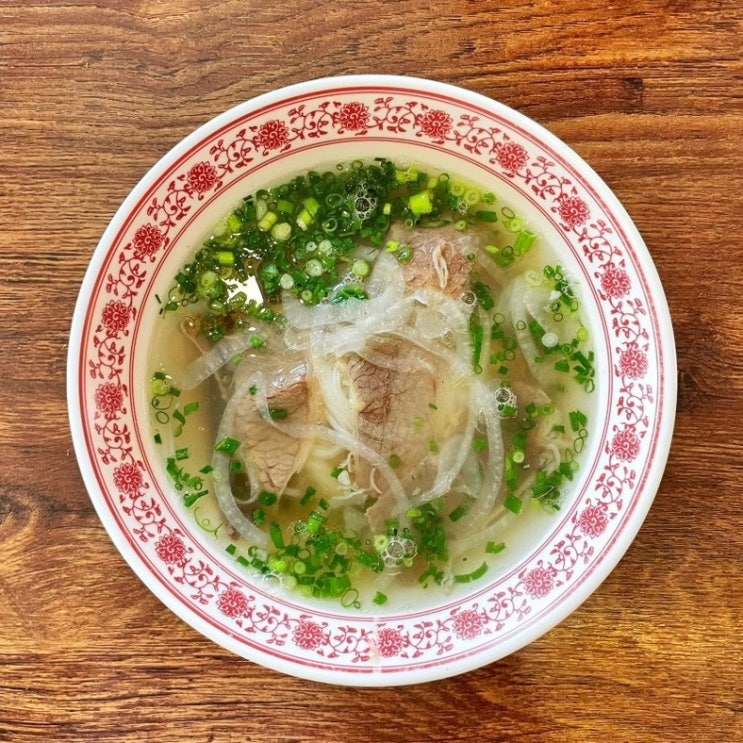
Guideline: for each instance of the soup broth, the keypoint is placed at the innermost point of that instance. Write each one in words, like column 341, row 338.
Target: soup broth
column 369, row 379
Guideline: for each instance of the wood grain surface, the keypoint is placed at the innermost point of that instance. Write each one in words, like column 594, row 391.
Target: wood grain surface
column 650, row 92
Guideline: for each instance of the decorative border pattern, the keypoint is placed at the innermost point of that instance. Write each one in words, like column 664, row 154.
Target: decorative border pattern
column 343, row 642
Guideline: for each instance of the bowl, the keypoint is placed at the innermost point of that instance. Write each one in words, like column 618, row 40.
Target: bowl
column 556, row 561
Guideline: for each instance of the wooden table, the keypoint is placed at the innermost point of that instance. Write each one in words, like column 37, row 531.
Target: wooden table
column 92, row 93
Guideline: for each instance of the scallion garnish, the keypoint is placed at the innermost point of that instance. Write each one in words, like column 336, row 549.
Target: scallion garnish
column 227, row 446
column 474, row 575
column 265, row 498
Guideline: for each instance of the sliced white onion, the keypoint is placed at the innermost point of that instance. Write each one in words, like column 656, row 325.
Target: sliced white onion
column 221, row 463
column 384, row 287
column 220, row 354
column 485, row 405
column 452, row 456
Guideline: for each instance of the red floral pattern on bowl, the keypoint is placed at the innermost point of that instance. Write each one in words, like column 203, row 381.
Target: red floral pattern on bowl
column 294, row 129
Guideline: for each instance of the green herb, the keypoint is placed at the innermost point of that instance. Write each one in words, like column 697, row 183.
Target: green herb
column 191, row 498
column 265, row 498
column 276, row 537
column 259, row 517
column 479, row 444
column 513, row 504
column 352, row 291
column 427, row 528
column 190, row 486
column 317, row 560
column 486, row 216
column 476, row 339
column 483, row 294
column 578, row 420
column 461, row 510
column 227, row 446
column 307, row 497
column 474, row 575
column 524, row 242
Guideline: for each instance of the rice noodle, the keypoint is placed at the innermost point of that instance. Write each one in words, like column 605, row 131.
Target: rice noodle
column 520, row 317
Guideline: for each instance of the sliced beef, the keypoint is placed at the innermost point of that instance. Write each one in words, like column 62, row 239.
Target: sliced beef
column 390, row 388
column 269, row 454
column 442, row 258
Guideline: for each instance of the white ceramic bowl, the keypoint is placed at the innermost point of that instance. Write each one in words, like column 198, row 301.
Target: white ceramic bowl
column 328, row 121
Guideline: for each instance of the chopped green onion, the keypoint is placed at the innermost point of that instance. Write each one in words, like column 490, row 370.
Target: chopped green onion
column 191, row 498
column 460, row 511
column 513, row 504
column 421, row 203
column 265, row 498
column 276, row 536
column 476, row 339
column 360, row 269
column 524, row 241
column 484, row 295
column 227, row 446
column 474, row 575
column 404, row 254
column 268, row 221
column 307, row 497
column 578, row 420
